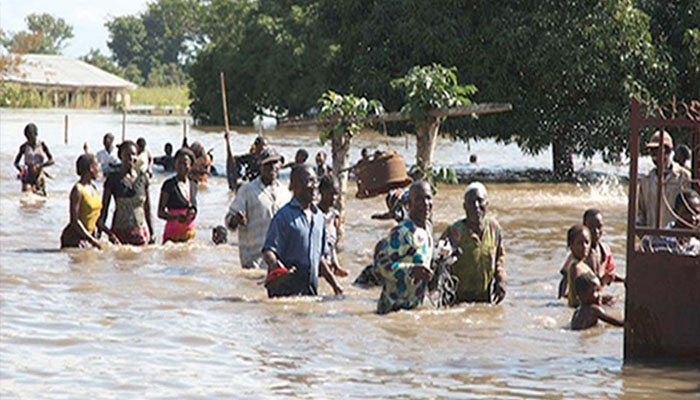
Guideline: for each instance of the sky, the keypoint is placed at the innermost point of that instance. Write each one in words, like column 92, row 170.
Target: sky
column 86, row 16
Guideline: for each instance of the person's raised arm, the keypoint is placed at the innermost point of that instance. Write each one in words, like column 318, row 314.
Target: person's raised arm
column 603, row 316
column 49, row 156
column 75, row 198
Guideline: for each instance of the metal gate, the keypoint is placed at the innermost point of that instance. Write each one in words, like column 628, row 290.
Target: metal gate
column 662, row 306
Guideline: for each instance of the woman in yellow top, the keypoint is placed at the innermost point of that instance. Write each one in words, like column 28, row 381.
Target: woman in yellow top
column 85, row 206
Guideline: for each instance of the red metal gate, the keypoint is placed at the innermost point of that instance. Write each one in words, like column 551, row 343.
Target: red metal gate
column 662, row 306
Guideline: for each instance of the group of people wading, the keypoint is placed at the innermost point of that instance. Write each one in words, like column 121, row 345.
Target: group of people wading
column 292, row 232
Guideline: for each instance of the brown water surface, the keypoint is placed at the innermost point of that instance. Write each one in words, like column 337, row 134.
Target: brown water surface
column 185, row 321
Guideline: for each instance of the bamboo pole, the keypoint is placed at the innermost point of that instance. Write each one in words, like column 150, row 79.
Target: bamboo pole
column 223, row 100
column 65, row 129
column 123, row 124
column 476, row 109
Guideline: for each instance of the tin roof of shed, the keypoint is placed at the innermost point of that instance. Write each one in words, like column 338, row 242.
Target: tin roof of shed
column 62, row 71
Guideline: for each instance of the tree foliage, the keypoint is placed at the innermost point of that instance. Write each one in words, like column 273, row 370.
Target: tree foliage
column 96, row 58
column 348, row 113
column 430, row 87
column 272, row 56
column 46, row 34
column 675, row 27
column 159, row 40
column 568, row 68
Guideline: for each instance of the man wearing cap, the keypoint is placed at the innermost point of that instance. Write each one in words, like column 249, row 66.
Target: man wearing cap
column 675, row 178
column 252, row 210
column 296, row 242
column 479, row 267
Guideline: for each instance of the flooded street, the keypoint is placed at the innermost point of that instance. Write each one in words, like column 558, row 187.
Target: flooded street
column 185, row 321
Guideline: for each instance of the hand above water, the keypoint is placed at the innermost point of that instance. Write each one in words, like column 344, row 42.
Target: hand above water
column 608, row 299
column 499, row 291
column 422, row 272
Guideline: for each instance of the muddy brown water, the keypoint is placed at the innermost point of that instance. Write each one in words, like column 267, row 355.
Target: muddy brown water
column 185, row 321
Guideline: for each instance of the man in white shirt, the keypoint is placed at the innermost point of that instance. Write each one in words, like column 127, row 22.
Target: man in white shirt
column 253, row 208
column 107, row 157
column 675, row 180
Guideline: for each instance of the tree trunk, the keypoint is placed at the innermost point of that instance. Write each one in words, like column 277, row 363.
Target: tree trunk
column 562, row 158
column 340, row 146
column 426, row 137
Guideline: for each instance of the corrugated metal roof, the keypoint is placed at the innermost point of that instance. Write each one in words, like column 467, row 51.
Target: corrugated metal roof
column 51, row 70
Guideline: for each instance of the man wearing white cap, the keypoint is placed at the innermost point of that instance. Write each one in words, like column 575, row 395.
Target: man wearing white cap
column 479, row 267
column 675, row 178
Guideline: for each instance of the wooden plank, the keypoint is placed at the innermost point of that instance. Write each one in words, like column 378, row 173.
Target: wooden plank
column 476, row 109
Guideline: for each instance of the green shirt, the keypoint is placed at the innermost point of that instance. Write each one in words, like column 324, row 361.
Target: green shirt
column 481, row 258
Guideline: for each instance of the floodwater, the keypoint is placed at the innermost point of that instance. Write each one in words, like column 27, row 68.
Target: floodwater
column 185, row 321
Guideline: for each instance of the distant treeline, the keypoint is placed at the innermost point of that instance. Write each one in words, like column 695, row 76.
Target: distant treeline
column 568, row 67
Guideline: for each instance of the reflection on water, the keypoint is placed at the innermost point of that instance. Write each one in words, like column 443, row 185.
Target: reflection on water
column 186, row 321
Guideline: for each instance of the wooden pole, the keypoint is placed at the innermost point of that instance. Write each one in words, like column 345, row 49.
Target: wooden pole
column 123, row 124
column 223, row 100
column 65, row 129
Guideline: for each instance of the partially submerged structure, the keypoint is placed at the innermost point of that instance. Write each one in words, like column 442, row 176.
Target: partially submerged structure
column 68, row 82
column 662, row 305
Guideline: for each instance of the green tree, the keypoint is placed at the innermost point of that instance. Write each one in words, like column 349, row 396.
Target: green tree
column 426, row 89
column 568, row 68
column 163, row 75
column 164, row 34
column 271, row 54
column 96, row 58
column 348, row 114
column 127, row 36
column 46, row 34
column 675, row 27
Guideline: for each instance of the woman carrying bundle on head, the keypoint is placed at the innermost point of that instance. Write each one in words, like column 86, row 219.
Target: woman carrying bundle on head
column 178, row 200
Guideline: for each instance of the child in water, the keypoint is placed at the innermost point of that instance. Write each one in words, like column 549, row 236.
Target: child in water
column 599, row 258
column 578, row 239
column 589, row 312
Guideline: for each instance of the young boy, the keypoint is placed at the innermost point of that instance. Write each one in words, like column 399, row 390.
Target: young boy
column 167, row 161
column 299, row 158
column 589, row 312
column 328, row 187
column 321, row 167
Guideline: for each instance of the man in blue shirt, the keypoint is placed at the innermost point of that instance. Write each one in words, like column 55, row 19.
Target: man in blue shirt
column 296, row 241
